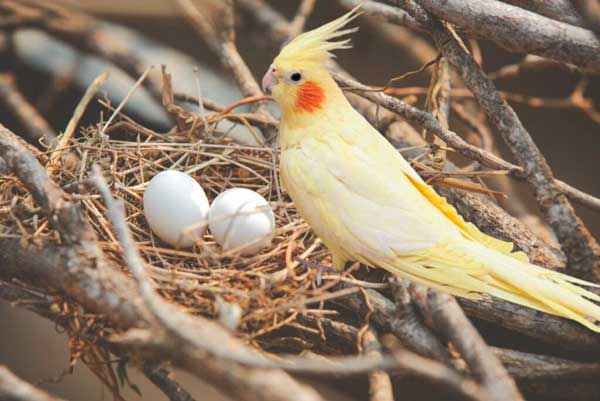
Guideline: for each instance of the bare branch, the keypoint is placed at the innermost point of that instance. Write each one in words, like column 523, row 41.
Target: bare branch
column 501, row 23
column 560, row 10
column 448, row 317
column 380, row 385
column 296, row 25
column 523, row 365
column 73, row 228
column 13, row 388
column 35, row 126
column 384, row 12
column 162, row 378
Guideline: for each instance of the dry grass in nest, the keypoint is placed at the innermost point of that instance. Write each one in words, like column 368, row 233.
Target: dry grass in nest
column 270, row 288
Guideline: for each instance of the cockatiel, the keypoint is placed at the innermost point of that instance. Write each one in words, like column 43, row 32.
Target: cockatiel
column 367, row 204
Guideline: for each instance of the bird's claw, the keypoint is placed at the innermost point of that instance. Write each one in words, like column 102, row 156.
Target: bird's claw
column 319, row 267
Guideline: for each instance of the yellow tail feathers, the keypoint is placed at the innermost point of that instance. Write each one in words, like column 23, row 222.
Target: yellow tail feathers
column 470, row 269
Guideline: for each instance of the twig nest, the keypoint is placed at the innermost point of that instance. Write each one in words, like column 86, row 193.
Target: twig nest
column 241, row 220
column 176, row 208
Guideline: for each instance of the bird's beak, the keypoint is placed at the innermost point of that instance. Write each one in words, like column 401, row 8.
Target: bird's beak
column 269, row 80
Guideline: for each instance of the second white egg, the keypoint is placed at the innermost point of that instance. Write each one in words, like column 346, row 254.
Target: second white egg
column 241, row 219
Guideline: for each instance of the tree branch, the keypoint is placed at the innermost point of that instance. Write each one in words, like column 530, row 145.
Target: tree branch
column 560, row 10
column 444, row 312
column 501, row 23
column 13, row 388
column 161, row 377
column 35, row 126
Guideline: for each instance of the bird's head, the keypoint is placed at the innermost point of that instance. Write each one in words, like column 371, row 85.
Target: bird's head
column 298, row 78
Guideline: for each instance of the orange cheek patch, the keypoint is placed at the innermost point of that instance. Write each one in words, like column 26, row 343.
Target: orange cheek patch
column 309, row 97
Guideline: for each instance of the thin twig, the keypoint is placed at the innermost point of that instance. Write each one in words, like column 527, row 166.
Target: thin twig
column 296, row 26
column 163, row 379
column 66, row 136
column 140, row 80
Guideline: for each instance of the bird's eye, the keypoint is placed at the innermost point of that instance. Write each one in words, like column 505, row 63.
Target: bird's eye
column 294, row 77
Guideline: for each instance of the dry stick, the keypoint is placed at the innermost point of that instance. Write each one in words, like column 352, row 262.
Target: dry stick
column 380, row 385
column 41, row 305
column 35, row 125
column 560, row 10
column 590, row 10
column 536, row 63
column 502, row 23
column 445, row 314
column 223, row 44
column 161, row 378
column 268, row 17
column 442, row 374
column 63, row 213
column 296, row 26
column 390, row 14
column 438, row 104
column 140, row 80
column 523, row 365
column 581, row 249
column 400, row 319
column 65, row 138
column 13, row 388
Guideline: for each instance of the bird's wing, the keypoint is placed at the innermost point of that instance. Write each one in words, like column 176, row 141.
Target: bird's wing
column 354, row 204
column 376, row 148
column 370, row 200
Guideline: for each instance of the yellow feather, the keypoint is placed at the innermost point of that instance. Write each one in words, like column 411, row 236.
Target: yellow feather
column 316, row 46
column 367, row 204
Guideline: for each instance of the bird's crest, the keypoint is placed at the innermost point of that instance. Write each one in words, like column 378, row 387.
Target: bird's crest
column 316, row 46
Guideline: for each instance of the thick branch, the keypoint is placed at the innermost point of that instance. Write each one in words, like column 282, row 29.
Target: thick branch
column 62, row 212
column 449, row 319
column 560, row 10
column 502, row 23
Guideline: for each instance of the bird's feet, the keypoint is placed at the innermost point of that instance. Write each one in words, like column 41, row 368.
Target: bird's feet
column 319, row 267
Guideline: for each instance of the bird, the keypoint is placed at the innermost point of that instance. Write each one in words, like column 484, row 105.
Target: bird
column 367, row 204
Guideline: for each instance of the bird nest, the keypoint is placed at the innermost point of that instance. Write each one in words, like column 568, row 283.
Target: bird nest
column 258, row 294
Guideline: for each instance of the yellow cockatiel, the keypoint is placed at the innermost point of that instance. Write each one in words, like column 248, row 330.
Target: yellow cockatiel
column 367, row 204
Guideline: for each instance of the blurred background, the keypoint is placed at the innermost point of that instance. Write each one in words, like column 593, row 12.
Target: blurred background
column 34, row 349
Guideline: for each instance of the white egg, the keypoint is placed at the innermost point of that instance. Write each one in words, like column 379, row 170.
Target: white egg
column 176, row 208
column 241, row 219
